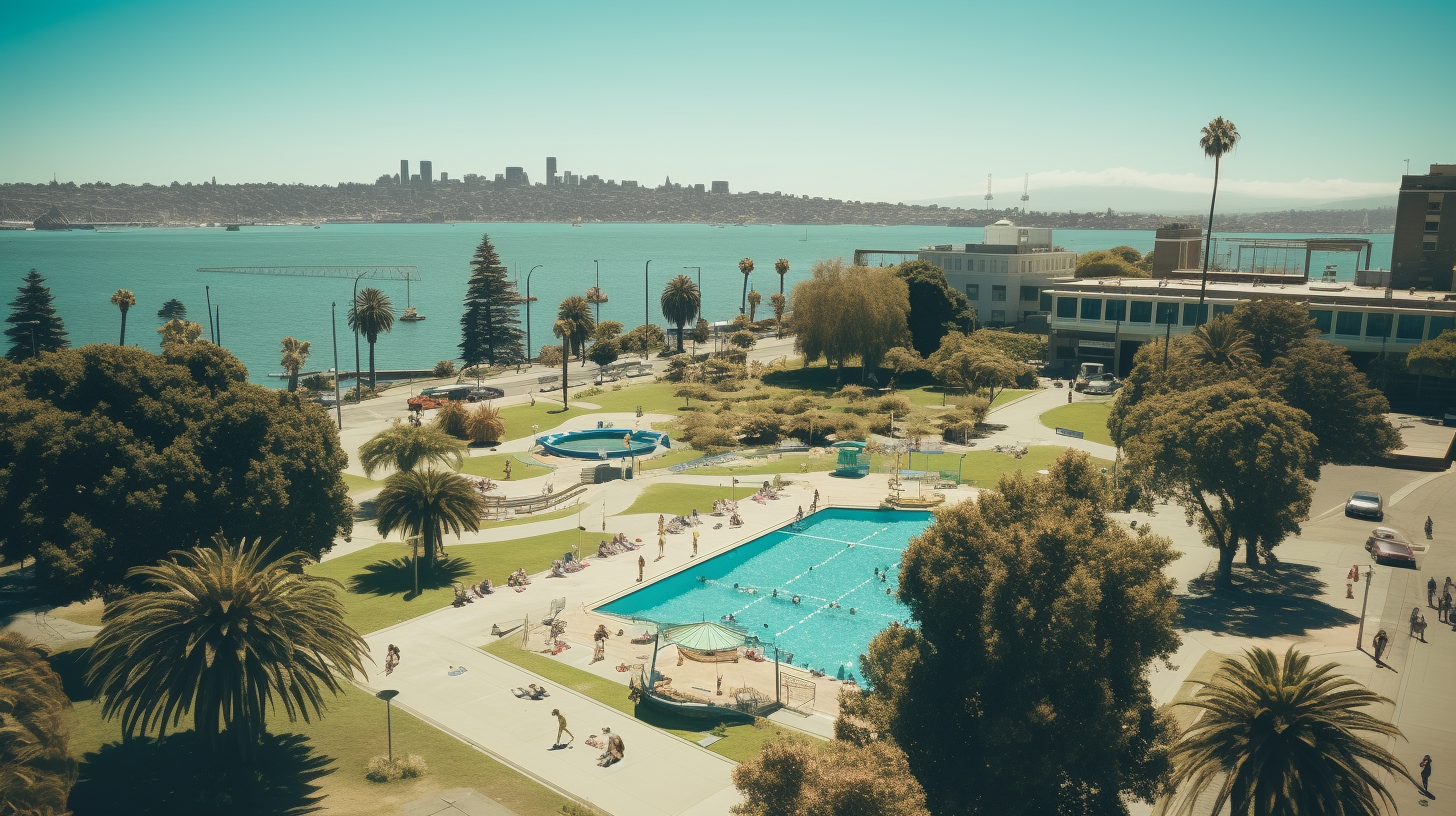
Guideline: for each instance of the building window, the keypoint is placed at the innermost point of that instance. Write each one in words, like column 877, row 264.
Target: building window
column 1348, row 323
column 1091, row 308
column 1029, row 294
column 1438, row 325
column 973, row 291
column 1116, row 310
column 1410, row 327
column 1434, row 205
column 958, row 264
column 1066, row 307
column 998, row 294
column 1428, row 246
column 1046, row 302
column 1433, row 225
column 1190, row 313
column 1167, row 313
column 1378, row 325
column 1321, row 318
column 998, row 316
column 1142, row 312
column 1222, row 309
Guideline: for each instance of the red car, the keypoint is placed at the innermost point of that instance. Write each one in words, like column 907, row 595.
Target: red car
column 1388, row 551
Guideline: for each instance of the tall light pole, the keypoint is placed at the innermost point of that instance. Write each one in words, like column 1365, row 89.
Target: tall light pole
column 358, row 397
column 700, row 287
column 334, row 325
column 646, row 296
column 528, row 311
column 386, row 695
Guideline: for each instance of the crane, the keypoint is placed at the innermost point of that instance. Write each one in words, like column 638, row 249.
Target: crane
column 1025, row 191
column 988, row 191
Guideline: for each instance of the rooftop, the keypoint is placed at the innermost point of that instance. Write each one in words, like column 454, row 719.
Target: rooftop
column 1296, row 288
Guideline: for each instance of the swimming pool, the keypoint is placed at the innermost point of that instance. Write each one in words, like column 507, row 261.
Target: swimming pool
column 817, row 563
column 603, row 443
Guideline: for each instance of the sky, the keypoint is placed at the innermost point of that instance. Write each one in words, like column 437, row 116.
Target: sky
column 892, row 101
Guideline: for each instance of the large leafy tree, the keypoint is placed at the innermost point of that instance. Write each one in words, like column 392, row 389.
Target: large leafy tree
column 935, row 306
column 33, row 318
column 798, row 777
column 404, row 447
column 971, row 364
column 680, row 303
column 295, row 355
column 428, row 504
column 172, row 310
column 1217, row 139
column 111, row 457
column 224, row 633
column 1279, row 737
column 1110, row 263
column 491, row 326
column 1024, row 687
column 843, row 312
column 372, row 315
column 1274, row 326
column 123, row 299
column 36, row 769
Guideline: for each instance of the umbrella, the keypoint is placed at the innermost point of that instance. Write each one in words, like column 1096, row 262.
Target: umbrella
column 704, row 637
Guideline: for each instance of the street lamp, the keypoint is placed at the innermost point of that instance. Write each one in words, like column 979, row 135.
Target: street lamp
column 358, row 397
column 386, row 695
column 334, row 326
column 646, row 296
column 528, row 311
column 959, row 467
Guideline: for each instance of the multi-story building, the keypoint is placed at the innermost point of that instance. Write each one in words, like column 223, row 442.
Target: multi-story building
column 551, row 180
column 1004, row 276
column 720, row 187
column 516, row 177
column 404, row 173
column 1177, row 246
column 427, row 173
column 1424, row 249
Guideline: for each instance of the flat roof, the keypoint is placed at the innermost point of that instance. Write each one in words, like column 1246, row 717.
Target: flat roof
column 1295, row 289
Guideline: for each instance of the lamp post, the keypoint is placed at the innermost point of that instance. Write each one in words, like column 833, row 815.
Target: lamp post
column 358, row 397
column 960, row 466
column 334, row 326
column 386, row 695
column 646, row 296
column 528, row 312
column 700, row 287
column 1360, row 634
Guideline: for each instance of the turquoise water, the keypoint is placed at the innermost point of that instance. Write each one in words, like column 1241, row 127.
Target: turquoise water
column 84, row 267
column 817, row 563
column 598, row 441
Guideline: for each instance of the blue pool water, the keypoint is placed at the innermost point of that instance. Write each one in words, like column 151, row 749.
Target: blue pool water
column 818, row 636
column 602, row 443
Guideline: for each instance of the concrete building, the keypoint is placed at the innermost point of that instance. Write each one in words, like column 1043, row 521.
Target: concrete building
column 551, row 180
column 404, row 172
column 1004, row 276
column 1424, row 249
column 1177, row 246
column 720, row 187
column 516, row 177
column 427, row 173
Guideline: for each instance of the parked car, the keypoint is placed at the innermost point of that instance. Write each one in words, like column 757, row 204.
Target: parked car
column 1387, row 534
column 447, row 392
column 485, row 392
column 326, row 399
column 1102, row 386
column 1364, row 504
column 1386, row 551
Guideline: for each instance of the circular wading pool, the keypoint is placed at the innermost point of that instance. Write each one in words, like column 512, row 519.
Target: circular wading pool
column 603, row 443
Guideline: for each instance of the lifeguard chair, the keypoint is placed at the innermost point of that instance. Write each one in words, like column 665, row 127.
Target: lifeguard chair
column 854, row 460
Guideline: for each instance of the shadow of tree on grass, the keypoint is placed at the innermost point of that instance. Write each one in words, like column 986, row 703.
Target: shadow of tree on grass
column 177, row 774
column 397, row 576
column 1261, row 604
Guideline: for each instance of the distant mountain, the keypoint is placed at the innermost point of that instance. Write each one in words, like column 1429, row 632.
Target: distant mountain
column 1149, row 200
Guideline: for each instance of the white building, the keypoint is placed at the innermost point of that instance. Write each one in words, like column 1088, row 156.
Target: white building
column 1004, row 277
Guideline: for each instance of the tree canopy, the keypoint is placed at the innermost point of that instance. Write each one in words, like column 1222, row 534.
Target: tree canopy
column 1024, row 689
column 33, row 315
column 1110, row 263
column 973, row 364
column 935, row 306
column 111, row 457
column 1435, row 357
column 491, row 326
column 797, row 777
column 843, row 312
column 36, row 769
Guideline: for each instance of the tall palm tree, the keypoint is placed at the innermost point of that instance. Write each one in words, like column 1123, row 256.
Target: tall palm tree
column 226, row 633
column 123, row 300
column 1223, row 342
column 428, row 503
column 371, row 314
column 1219, row 137
column 295, row 354
column 1282, row 738
column 680, row 303
column 754, row 298
column 405, row 447
column 746, row 267
column 574, row 325
column 778, row 309
column 781, row 266
column 36, row 769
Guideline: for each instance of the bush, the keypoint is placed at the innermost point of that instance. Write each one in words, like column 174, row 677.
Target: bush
column 380, row 769
column 445, row 368
column 453, row 419
column 484, row 424
column 549, row 356
column 896, row 404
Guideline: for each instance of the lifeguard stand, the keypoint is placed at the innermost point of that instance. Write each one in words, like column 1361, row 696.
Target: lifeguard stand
column 854, row 460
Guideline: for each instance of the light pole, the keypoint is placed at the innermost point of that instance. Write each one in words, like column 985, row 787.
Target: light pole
column 386, row 695
column 960, row 466
column 1360, row 634
column 334, row 325
column 597, row 264
column 528, row 311
column 700, row 287
column 358, row 397
column 646, row 296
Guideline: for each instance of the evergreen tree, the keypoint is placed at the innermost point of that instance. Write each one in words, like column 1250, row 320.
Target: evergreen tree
column 34, row 304
column 490, row 328
column 172, row 310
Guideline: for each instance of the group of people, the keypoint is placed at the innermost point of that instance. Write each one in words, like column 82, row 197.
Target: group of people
column 470, row 592
column 1443, row 602
column 391, row 659
column 618, row 543
column 561, row 567
column 518, row 580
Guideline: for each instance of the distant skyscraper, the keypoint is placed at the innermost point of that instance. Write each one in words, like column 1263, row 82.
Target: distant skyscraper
column 404, row 171
column 515, row 176
column 427, row 171
column 550, row 171
column 720, row 187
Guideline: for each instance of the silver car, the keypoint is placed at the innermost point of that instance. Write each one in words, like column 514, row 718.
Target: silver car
column 1364, row 504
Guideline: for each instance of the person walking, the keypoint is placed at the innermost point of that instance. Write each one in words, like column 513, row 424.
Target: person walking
column 1420, row 628
column 661, row 524
column 1443, row 611
column 1430, row 592
column 1415, row 615
column 561, row 729
column 1426, row 773
column 1380, row 642
column 508, row 470
column 600, row 636
column 1428, row 528
column 661, row 547
column 641, row 565
column 695, row 544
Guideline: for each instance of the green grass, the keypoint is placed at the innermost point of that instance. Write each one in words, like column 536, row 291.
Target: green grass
column 351, row 733
column 87, row 613
column 679, row 500
column 654, row 397
column 675, row 456
column 491, row 466
column 1088, row 417
column 787, row 464
column 390, row 598
column 359, row 484
column 983, row 468
column 546, row 413
column 554, row 514
column 744, row 741
column 1009, row 395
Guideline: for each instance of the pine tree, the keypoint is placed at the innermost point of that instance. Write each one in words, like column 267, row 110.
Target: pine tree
column 490, row 327
column 32, row 315
column 172, row 310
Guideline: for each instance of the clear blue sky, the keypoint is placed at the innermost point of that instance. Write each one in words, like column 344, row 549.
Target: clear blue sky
column 893, row 101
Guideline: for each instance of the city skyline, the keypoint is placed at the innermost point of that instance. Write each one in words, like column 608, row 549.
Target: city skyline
column 768, row 98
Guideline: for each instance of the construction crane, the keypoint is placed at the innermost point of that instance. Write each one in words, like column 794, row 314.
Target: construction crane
column 1025, row 191
column 988, row 191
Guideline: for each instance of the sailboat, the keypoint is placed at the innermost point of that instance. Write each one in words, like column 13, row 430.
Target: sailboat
column 410, row 314
column 806, row 236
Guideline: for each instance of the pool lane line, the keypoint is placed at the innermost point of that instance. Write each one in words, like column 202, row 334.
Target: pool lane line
column 826, row 606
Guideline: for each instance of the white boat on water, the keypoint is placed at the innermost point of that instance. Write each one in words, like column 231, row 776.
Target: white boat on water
column 410, row 315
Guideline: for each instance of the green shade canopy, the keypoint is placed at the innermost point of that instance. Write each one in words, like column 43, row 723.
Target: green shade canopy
column 704, row 637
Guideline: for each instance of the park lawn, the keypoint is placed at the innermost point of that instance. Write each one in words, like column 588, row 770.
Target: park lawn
column 675, row 456
column 926, row 396
column 1009, row 395
column 654, row 397
column 679, row 499
column 786, row 464
column 491, row 466
column 546, row 414
column 984, row 468
column 359, row 484
column 86, row 613
column 389, row 598
column 575, row 508
column 1088, row 417
column 744, row 741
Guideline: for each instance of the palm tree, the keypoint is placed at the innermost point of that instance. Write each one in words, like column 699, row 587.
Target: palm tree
column 371, row 314
column 295, row 354
column 754, row 298
column 225, row 633
column 574, row 324
column 405, row 447
column 781, row 266
column 428, row 503
column 680, row 303
column 1219, row 137
column 1283, row 739
column 746, row 267
column 36, row 769
column 1223, row 342
column 123, row 300
column 778, row 309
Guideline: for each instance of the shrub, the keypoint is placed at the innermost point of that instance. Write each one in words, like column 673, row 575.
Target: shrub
column 316, row 382
column 549, row 356
column 853, row 393
column 453, row 419
column 445, row 368
column 380, row 769
column 484, row 424
column 896, row 404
